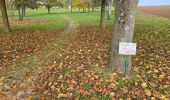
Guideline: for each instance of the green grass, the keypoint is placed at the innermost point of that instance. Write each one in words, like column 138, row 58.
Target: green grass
column 144, row 23
column 150, row 24
column 53, row 21
column 91, row 19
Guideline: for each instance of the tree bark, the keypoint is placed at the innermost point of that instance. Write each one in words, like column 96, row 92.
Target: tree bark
column 4, row 16
column 123, row 32
column 109, row 9
column 103, row 14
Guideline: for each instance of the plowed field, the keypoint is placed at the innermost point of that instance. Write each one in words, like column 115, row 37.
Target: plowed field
column 162, row 11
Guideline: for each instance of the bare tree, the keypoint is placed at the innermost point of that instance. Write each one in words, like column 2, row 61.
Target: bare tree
column 103, row 14
column 110, row 3
column 123, row 32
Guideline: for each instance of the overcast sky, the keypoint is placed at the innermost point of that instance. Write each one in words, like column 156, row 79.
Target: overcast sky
column 154, row 2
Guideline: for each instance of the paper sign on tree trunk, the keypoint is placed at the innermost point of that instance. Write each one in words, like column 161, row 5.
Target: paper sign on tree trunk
column 127, row 48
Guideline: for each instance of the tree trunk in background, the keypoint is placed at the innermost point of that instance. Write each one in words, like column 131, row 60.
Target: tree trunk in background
column 79, row 10
column 24, row 11
column 88, row 11
column 83, row 10
column 71, row 9
column 4, row 16
column 20, row 12
column 123, row 32
column 103, row 14
column 92, row 9
column 88, row 8
column 109, row 9
column 11, row 8
column 12, row 13
column 49, row 10
column 7, row 4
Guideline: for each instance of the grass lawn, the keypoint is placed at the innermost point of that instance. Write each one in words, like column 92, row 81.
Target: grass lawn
column 54, row 20
column 37, row 20
column 92, row 19
column 153, row 27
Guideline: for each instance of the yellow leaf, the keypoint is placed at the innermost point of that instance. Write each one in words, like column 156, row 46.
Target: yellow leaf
column 120, row 99
column 148, row 66
column 112, row 94
column 144, row 85
column 73, row 81
column 162, row 76
column 153, row 98
column 148, row 93
column 153, row 85
column 163, row 97
column 149, row 72
column 156, row 71
column 60, row 95
column 29, row 98
column 136, row 83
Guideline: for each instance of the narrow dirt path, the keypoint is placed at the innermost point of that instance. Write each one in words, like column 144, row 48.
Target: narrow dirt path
column 72, row 25
column 16, row 78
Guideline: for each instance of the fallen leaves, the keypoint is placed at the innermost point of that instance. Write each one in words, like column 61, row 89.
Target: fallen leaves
column 148, row 93
column 21, row 44
column 77, row 71
column 88, row 50
column 144, row 85
column 161, row 76
column 61, row 95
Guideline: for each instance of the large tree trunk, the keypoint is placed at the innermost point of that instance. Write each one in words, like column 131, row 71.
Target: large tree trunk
column 109, row 9
column 103, row 14
column 123, row 32
column 4, row 16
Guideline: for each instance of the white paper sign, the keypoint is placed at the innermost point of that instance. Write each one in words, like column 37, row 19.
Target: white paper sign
column 127, row 48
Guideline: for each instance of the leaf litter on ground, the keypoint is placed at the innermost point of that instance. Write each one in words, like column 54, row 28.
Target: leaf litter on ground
column 77, row 72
